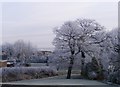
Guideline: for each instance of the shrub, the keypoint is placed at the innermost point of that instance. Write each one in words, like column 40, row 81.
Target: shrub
column 21, row 73
column 92, row 75
column 114, row 77
column 93, row 70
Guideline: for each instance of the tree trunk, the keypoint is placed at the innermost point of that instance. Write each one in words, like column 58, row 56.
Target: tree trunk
column 82, row 63
column 70, row 68
column 47, row 63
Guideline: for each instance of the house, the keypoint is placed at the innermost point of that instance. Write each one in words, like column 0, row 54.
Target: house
column 43, row 53
column 3, row 63
column 40, row 58
column 3, row 59
column 4, row 55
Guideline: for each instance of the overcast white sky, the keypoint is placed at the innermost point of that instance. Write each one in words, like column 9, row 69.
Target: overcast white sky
column 34, row 21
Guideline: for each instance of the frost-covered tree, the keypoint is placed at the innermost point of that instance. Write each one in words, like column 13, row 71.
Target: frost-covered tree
column 20, row 50
column 59, row 60
column 23, row 51
column 114, row 63
column 77, row 37
column 8, row 49
column 114, row 48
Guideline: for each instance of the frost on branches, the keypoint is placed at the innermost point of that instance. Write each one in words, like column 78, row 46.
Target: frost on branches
column 82, row 36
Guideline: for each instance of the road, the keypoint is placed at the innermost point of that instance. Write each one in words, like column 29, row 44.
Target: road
column 58, row 80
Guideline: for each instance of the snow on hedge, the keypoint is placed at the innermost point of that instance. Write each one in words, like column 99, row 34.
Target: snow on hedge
column 21, row 73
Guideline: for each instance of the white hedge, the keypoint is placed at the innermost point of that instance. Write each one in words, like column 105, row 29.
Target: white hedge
column 21, row 73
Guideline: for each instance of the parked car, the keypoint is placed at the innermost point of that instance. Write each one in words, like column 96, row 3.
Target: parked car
column 10, row 63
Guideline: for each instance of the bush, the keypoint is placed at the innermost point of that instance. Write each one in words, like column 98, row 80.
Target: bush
column 21, row 73
column 92, row 75
column 93, row 70
column 114, row 77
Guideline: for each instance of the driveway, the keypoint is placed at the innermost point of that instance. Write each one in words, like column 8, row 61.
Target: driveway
column 58, row 80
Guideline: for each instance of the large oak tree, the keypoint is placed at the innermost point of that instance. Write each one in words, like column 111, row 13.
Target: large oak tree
column 78, row 37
